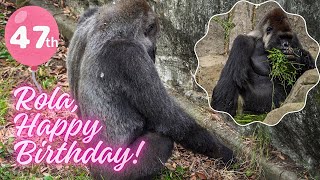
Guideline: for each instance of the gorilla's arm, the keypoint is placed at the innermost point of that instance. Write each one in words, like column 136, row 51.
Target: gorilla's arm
column 307, row 59
column 234, row 75
column 74, row 59
column 145, row 91
column 259, row 59
column 75, row 54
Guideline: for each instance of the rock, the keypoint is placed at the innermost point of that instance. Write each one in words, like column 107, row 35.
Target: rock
column 213, row 42
column 276, row 115
column 309, row 10
column 241, row 17
column 209, row 71
column 261, row 10
column 297, row 135
column 302, row 86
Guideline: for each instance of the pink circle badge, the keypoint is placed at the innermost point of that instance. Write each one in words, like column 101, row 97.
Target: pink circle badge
column 32, row 35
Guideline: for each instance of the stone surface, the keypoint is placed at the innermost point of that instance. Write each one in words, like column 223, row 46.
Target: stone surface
column 241, row 16
column 302, row 86
column 213, row 42
column 297, row 135
column 209, row 71
column 274, row 116
column 263, row 9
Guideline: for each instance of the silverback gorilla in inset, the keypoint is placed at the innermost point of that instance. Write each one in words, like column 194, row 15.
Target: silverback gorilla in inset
column 247, row 71
column 113, row 78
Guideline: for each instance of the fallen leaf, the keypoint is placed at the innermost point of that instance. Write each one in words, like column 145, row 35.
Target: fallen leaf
column 201, row 176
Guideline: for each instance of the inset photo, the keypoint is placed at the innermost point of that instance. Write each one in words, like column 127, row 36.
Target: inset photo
column 257, row 63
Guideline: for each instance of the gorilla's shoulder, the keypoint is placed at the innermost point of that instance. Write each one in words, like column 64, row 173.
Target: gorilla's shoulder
column 87, row 14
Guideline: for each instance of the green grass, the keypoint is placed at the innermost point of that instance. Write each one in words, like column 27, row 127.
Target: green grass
column 259, row 142
column 5, row 150
column 34, row 173
column 46, row 80
column 227, row 25
column 281, row 68
column 5, row 172
column 4, row 98
column 3, row 111
column 4, row 54
column 2, row 21
column 248, row 118
column 261, row 148
column 263, row 140
column 167, row 174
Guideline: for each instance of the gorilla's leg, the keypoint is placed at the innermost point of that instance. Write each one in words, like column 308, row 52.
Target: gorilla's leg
column 155, row 153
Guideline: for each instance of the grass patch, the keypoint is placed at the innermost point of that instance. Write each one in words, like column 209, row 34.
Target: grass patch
column 227, row 25
column 4, row 96
column 261, row 148
column 46, row 80
column 34, row 173
column 3, row 22
column 4, row 54
column 263, row 140
column 248, row 118
column 5, row 150
column 79, row 174
column 167, row 174
column 259, row 142
column 3, row 111
column 5, row 172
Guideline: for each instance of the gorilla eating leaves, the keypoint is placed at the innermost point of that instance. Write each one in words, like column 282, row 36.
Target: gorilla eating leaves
column 247, row 70
column 112, row 76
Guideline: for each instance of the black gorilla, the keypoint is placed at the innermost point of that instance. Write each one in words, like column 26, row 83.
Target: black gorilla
column 247, row 70
column 113, row 78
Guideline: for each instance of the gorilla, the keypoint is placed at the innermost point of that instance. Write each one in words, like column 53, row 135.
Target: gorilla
column 113, row 78
column 246, row 74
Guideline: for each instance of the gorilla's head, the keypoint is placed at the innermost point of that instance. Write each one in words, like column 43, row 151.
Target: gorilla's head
column 132, row 20
column 276, row 32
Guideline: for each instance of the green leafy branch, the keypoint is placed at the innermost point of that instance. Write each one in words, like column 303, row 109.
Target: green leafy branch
column 282, row 69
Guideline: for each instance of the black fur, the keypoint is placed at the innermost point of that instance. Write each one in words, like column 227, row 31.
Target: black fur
column 247, row 70
column 113, row 78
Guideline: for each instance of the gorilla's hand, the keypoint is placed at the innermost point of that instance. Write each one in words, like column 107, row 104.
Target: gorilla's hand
column 302, row 57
